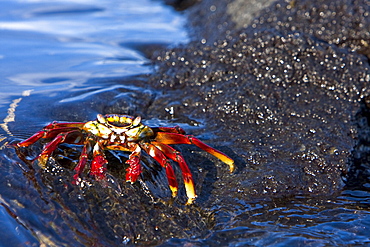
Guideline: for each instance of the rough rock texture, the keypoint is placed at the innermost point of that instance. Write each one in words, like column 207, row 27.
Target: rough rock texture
column 281, row 93
column 342, row 23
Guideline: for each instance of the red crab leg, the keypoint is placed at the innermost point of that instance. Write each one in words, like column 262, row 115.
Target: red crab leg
column 174, row 138
column 98, row 164
column 56, row 125
column 50, row 131
column 186, row 174
column 134, row 170
column 157, row 154
column 51, row 146
column 176, row 129
column 81, row 162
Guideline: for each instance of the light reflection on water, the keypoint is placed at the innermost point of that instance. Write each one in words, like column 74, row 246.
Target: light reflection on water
column 51, row 49
column 342, row 220
column 73, row 41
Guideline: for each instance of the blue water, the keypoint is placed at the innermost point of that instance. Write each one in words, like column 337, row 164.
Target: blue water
column 57, row 54
column 49, row 47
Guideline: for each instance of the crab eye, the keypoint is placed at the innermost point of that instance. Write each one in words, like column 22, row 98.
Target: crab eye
column 101, row 118
column 136, row 121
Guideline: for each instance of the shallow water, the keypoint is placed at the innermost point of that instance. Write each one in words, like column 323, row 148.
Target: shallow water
column 47, row 49
column 339, row 221
column 61, row 61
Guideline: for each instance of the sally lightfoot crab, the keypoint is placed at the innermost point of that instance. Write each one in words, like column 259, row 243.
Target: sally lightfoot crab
column 124, row 133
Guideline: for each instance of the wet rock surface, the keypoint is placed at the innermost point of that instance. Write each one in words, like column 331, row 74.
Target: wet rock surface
column 98, row 213
column 342, row 23
column 281, row 94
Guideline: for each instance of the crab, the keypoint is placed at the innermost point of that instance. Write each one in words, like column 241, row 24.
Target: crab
column 128, row 134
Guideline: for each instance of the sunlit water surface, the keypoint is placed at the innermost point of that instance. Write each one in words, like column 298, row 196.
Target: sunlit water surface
column 54, row 54
column 339, row 221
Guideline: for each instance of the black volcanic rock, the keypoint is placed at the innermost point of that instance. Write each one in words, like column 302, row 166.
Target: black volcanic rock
column 281, row 96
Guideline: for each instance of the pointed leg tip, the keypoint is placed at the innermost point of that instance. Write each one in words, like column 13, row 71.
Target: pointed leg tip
column 232, row 167
column 174, row 191
column 43, row 159
column 190, row 191
column 131, row 178
column 229, row 162
column 76, row 179
column 191, row 200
